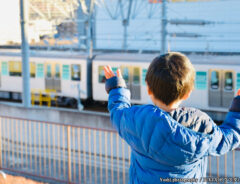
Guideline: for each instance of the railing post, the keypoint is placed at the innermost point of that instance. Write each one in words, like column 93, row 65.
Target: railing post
column 225, row 166
column 69, row 154
column 210, row 166
column 0, row 142
column 233, row 164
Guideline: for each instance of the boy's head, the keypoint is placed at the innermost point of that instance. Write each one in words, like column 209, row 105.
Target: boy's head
column 170, row 77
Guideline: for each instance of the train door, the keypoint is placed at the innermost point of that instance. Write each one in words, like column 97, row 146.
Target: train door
column 57, row 78
column 52, row 77
column 136, row 88
column 221, row 88
column 131, row 76
column 228, row 88
column 0, row 79
column 48, row 76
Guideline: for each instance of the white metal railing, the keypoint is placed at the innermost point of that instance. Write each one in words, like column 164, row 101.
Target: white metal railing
column 76, row 154
column 62, row 152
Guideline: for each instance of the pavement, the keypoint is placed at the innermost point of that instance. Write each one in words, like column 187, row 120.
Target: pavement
column 10, row 179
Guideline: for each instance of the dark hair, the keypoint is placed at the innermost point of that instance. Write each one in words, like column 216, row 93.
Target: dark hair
column 170, row 77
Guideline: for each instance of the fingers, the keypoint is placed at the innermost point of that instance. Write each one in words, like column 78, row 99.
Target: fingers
column 119, row 74
column 108, row 72
column 238, row 92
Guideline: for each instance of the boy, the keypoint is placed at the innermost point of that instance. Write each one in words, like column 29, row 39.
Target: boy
column 164, row 150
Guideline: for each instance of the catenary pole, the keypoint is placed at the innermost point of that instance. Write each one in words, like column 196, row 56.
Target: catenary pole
column 164, row 27
column 88, row 9
column 125, row 23
column 89, row 29
column 25, row 54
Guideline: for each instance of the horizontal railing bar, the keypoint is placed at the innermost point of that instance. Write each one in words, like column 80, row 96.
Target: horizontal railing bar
column 65, row 125
column 59, row 124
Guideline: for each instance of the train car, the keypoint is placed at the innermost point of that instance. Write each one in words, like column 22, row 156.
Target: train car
column 133, row 67
column 61, row 73
column 217, row 78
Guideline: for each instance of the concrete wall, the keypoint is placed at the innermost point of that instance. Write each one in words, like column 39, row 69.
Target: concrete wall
column 57, row 115
column 69, row 116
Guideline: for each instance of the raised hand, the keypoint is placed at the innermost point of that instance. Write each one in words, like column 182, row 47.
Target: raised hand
column 238, row 92
column 109, row 73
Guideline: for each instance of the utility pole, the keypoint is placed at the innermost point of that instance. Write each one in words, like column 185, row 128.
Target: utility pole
column 125, row 22
column 25, row 54
column 87, row 9
column 90, row 46
column 164, row 28
column 89, row 30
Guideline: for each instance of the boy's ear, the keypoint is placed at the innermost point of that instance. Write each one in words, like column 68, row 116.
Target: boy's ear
column 149, row 91
column 187, row 95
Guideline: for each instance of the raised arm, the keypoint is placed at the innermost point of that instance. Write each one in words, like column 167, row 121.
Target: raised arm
column 118, row 100
column 228, row 134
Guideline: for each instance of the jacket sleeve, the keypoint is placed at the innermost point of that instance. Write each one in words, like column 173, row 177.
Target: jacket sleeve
column 114, row 82
column 119, row 106
column 227, row 135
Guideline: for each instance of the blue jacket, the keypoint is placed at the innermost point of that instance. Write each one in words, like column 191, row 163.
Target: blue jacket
column 162, row 148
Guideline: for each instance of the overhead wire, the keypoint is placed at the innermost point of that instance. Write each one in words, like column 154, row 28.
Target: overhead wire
column 117, row 10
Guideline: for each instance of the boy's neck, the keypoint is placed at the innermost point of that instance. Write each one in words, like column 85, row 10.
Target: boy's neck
column 167, row 108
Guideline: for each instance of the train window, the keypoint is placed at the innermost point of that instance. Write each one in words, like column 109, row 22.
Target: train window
column 57, row 71
column 228, row 81
column 136, row 76
column 201, row 80
column 125, row 74
column 65, row 72
column 15, row 68
column 144, row 72
column 101, row 75
column 215, row 80
column 32, row 69
column 40, row 71
column 238, row 81
column 49, row 71
column 4, row 68
column 76, row 72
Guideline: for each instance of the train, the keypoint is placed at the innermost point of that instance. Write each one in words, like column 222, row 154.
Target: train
column 60, row 73
column 73, row 75
column 217, row 78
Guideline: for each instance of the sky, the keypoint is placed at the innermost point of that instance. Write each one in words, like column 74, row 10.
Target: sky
column 9, row 20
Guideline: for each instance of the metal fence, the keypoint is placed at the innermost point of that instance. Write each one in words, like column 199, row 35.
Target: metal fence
column 224, row 169
column 62, row 152
column 76, row 154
